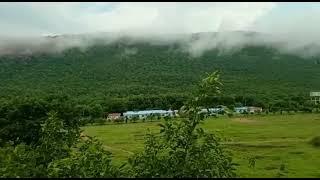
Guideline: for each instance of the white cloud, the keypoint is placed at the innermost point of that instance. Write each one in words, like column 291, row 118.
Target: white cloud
column 166, row 17
column 295, row 26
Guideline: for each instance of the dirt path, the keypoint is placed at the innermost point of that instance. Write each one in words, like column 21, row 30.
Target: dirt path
column 109, row 147
column 280, row 143
column 272, row 141
column 243, row 120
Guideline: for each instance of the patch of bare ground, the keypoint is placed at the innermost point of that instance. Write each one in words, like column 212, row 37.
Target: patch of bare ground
column 244, row 120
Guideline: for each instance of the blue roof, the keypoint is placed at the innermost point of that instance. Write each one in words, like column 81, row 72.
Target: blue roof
column 145, row 112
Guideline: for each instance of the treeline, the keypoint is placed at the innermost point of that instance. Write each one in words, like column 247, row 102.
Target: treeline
column 89, row 110
column 97, row 107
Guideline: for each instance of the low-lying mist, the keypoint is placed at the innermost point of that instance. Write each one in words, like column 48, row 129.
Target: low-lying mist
column 195, row 44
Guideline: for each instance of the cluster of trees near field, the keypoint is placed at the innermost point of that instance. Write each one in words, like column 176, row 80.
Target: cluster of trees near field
column 30, row 107
column 42, row 138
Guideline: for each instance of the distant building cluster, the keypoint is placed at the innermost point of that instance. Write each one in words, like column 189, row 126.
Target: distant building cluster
column 315, row 97
column 147, row 113
column 174, row 113
column 143, row 114
column 248, row 109
column 212, row 111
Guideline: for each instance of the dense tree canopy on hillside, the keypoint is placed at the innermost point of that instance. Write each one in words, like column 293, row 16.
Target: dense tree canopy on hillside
column 122, row 76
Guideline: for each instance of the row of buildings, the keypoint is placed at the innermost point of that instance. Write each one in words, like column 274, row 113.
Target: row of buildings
column 142, row 114
column 148, row 113
column 248, row 109
column 173, row 113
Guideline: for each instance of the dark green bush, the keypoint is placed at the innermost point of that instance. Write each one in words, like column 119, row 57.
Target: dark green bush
column 230, row 114
column 315, row 141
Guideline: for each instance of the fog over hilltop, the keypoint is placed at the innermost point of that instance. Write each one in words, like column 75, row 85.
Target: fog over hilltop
column 197, row 27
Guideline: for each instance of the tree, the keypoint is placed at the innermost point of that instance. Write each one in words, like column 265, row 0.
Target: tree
column 307, row 106
column 134, row 119
column 32, row 160
column 89, row 160
column 56, row 139
column 96, row 111
column 58, row 153
column 208, row 87
column 182, row 149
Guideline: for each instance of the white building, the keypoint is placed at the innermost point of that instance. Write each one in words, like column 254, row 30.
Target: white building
column 315, row 97
column 212, row 110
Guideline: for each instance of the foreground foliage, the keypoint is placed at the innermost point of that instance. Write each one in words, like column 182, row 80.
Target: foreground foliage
column 183, row 149
column 58, row 153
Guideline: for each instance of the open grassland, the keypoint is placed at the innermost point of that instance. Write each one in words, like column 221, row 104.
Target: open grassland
column 271, row 139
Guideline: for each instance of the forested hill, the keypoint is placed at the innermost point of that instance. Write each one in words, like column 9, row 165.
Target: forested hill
column 130, row 69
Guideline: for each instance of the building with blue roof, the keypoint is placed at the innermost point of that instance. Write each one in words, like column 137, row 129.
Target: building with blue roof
column 145, row 113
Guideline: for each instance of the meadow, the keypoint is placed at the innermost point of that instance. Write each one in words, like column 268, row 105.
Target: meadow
column 272, row 140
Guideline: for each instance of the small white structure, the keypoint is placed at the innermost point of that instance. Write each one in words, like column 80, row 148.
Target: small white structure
column 315, row 97
column 114, row 116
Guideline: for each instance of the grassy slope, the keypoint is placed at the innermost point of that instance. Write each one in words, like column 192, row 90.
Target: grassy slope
column 273, row 139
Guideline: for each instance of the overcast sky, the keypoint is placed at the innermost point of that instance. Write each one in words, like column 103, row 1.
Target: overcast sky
column 34, row 18
column 295, row 24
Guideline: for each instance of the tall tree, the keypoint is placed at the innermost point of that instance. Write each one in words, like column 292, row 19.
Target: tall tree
column 208, row 88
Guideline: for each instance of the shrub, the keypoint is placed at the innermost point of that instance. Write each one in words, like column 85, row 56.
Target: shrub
column 101, row 121
column 59, row 153
column 245, row 112
column 119, row 120
column 315, row 141
column 182, row 151
column 214, row 115
column 54, row 143
column 230, row 114
column 90, row 159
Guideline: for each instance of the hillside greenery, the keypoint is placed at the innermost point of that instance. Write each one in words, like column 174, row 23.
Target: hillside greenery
column 127, row 76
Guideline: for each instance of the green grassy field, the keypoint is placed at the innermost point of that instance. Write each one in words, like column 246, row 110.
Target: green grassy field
column 271, row 139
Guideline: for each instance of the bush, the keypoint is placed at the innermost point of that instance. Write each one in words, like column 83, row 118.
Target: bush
column 230, row 114
column 59, row 153
column 90, row 159
column 55, row 142
column 214, row 115
column 119, row 120
column 315, row 141
column 244, row 112
column 101, row 121
column 181, row 150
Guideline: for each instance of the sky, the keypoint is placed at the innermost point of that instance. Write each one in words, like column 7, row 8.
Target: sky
column 38, row 18
column 294, row 23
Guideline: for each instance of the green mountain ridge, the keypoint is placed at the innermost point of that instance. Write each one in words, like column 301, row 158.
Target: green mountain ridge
column 123, row 69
